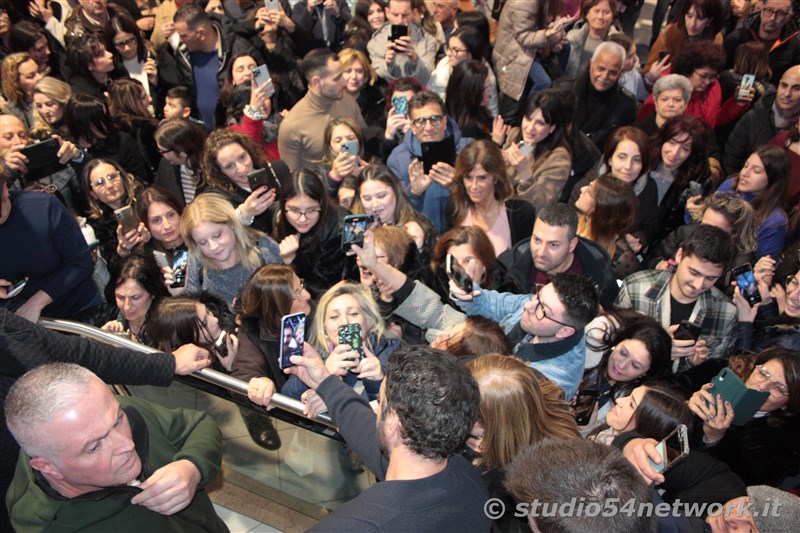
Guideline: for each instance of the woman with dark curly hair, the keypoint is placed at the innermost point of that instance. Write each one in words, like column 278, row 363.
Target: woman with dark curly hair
column 702, row 62
column 228, row 158
column 680, row 155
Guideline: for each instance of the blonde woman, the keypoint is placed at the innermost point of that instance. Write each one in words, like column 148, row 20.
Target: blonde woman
column 223, row 253
column 19, row 73
column 363, row 85
column 50, row 97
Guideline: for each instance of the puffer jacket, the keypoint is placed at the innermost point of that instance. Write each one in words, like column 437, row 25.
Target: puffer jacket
column 517, row 43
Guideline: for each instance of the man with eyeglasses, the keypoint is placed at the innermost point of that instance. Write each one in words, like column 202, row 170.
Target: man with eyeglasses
column 409, row 56
column 688, row 294
column 545, row 328
column 429, row 192
column 775, row 28
column 772, row 115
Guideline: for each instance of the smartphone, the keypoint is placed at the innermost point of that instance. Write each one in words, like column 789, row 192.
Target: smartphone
column 293, row 332
column 272, row 5
column 400, row 104
column 687, row 331
column 584, row 405
column 350, row 334
column 261, row 76
column 662, row 54
column 695, row 188
column 458, row 275
column 353, row 230
column 748, row 80
column 16, row 287
column 261, row 177
column 398, row 30
column 745, row 402
column 351, row 147
column 180, row 260
column 525, row 148
column 42, row 159
column 443, row 151
column 126, row 218
column 747, row 283
column 672, row 449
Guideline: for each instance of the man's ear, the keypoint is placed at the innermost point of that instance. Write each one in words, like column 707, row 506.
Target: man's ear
column 46, row 467
column 573, row 244
column 391, row 425
column 564, row 332
column 679, row 255
column 186, row 112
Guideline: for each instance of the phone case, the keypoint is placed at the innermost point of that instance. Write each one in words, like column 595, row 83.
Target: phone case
column 400, row 104
column 126, row 218
column 351, row 147
column 398, row 30
column 745, row 402
column 260, row 77
column 291, row 343
column 350, row 334
column 456, row 273
column 443, row 151
column 353, row 229
column 42, row 159
column 687, row 331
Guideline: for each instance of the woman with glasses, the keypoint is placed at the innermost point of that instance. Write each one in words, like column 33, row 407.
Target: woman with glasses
column 108, row 187
column 764, row 450
column 228, row 158
column 273, row 292
column 223, row 253
column 308, row 228
column 466, row 43
column 136, row 55
column 702, row 62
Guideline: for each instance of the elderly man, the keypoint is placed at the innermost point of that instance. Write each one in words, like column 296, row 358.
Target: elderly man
column 671, row 95
column 603, row 105
column 411, row 55
column 771, row 115
column 773, row 27
column 91, row 460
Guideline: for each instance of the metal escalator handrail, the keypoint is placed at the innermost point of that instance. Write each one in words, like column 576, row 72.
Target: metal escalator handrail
column 219, row 379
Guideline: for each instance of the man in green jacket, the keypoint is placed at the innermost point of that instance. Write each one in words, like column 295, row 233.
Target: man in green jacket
column 93, row 462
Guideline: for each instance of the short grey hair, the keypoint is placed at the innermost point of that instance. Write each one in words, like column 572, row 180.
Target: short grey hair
column 608, row 47
column 671, row 82
column 37, row 397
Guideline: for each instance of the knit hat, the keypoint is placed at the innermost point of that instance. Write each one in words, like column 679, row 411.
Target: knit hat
column 774, row 510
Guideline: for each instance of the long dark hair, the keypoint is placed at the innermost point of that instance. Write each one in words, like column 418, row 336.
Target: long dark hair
column 464, row 96
column 268, row 296
column 140, row 267
column 776, row 165
column 661, row 410
column 306, row 182
column 173, row 322
column 703, row 8
column 486, row 153
column 85, row 115
column 183, row 135
column 696, row 165
column 745, row 364
column 558, row 109
column 151, row 195
column 123, row 22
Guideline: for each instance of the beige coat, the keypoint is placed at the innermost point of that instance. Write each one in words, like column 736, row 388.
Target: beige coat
column 517, row 43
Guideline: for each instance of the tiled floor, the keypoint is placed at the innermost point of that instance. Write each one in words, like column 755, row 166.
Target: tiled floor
column 238, row 523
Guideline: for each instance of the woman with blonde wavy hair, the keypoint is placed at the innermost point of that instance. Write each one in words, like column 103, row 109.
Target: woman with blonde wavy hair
column 519, row 407
column 50, row 97
column 352, row 303
column 223, row 253
column 18, row 74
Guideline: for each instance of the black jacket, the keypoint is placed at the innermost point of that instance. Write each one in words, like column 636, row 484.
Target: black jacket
column 516, row 265
column 757, row 127
column 784, row 53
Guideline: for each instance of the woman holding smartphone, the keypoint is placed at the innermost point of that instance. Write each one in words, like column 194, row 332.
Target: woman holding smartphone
column 308, row 229
column 341, row 159
column 229, row 158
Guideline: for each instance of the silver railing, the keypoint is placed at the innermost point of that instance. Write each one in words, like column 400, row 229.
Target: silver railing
column 219, row 379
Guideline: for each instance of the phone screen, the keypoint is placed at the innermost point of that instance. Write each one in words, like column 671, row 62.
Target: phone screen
column 747, row 284
column 353, row 230
column 293, row 332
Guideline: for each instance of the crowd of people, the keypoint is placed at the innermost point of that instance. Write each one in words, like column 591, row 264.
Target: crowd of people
column 501, row 229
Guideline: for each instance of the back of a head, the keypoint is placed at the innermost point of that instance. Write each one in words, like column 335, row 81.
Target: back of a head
column 315, row 63
column 709, row 243
column 578, row 295
column 37, row 397
column 585, row 473
column 435, row 398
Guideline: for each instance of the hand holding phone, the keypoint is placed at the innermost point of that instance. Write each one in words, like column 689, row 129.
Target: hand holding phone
column 16, row 287
column 672, row 449
column 293, row 329
column 400, row 104
column 350, row 334
column 350, row 147
column 687, row 331
column 458, row 275
column 747, row 283
column 126, row 217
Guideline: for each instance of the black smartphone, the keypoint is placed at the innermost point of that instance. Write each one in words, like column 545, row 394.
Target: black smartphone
column 662, row 54
column 687, row 331
column 398, row 30
column 126, row 217
column 584, row 405
column 350, row 334
column 261, row 177
column 42, row 159
column 458, row 275
column 747, row 283
column 443, row 151
column 16, row 287
column 353, row 230
column 695, row 188
column 293, row 332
